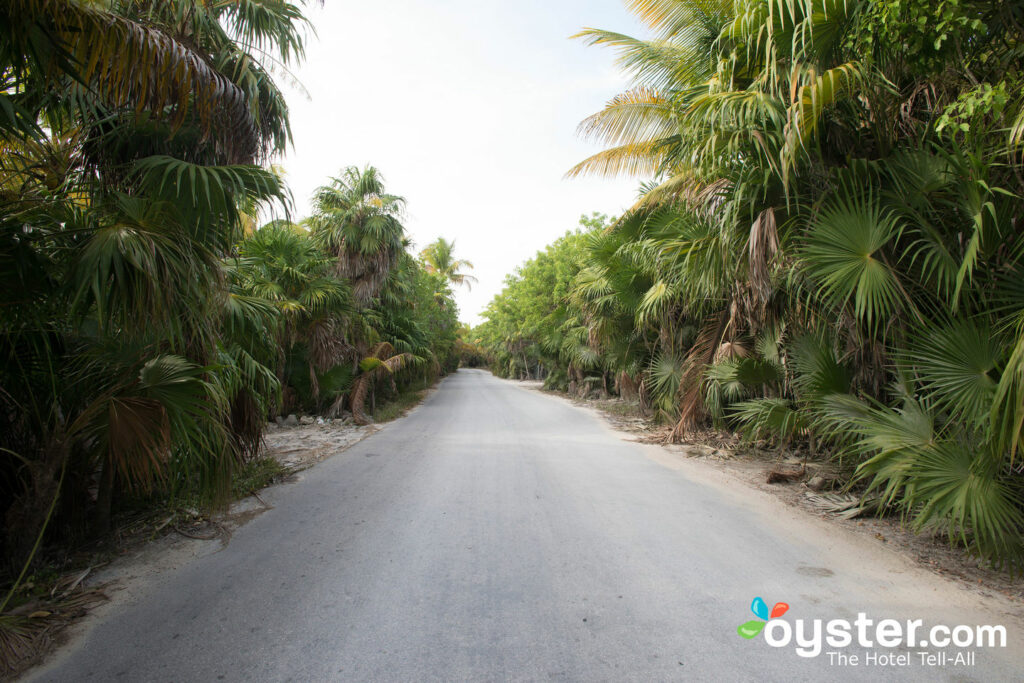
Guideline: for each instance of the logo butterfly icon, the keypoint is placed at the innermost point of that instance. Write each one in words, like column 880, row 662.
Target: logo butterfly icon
column 760, row 609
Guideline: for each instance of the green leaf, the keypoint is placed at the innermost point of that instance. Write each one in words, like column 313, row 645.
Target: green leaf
column 957, row 366
column 844, row 253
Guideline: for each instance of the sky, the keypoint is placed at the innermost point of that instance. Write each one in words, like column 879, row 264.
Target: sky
column 469, row 109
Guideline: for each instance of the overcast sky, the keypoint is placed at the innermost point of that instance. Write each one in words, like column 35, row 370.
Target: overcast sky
column 469, row 109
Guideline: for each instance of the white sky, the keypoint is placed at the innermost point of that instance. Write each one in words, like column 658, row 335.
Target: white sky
column 469, row 109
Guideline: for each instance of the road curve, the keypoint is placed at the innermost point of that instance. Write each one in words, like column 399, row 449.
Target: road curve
column 500, row 534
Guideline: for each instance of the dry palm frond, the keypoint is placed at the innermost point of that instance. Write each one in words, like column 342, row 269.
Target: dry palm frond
column 672, row 17
column 138, row 436
column 762, row 248
column 638, row 115
column 28, row 630
column 366, row 272
column 328, row 345
column 730, row 350
column 701, row 354
column 687, row 186
column 246, row 420
column 843, row 505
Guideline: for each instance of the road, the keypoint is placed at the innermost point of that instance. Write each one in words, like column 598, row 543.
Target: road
column 497, row 533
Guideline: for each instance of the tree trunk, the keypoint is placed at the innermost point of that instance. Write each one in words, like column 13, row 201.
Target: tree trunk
column 104, row 499
column 28, row 514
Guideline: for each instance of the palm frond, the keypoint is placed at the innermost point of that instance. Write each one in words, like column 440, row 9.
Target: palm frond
column 845, row 253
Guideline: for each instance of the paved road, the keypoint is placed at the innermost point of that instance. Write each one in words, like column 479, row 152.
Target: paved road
column 500, row 534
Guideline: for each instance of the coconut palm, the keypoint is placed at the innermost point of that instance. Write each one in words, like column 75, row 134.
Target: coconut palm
column 439, row 257
column 382, row 361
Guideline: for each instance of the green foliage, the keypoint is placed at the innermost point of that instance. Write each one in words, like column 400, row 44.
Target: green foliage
column 527, row 330
column 666, row 374
column 957, row 366
column 398, row 406
column 941, row 481
column 826, row 251
column 130, row 148
column 360, row 224
column 769, row 417
column 256, row 474
column 439, row 258
column 845, row 256
column 931, row 35
column 147, row 330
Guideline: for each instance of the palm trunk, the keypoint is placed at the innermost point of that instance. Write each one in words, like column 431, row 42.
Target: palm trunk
column 28, row 514
column 104, row 499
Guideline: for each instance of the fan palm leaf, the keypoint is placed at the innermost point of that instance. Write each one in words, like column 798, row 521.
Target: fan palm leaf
column 958, row 367
column 845, row 253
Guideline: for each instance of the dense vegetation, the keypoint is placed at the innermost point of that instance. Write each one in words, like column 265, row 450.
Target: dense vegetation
column 827, row 250
column 148, row 331
column 533, row 329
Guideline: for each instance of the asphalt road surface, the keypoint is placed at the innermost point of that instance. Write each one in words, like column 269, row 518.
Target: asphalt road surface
column 500, row 534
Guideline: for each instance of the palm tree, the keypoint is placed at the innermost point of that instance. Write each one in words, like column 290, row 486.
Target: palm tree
column 823, row 251
column 360, row 225
column 133, row 130
column 642, row 126
column 156, row 58
column 282, row 265
column 439, row 257
column 382, row 361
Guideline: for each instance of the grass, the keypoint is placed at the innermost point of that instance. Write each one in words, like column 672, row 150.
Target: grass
column 409, row 398
column 399, row 406
column 623, row 408
column 256, row 474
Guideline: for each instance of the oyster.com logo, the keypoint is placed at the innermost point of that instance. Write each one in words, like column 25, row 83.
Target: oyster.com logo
column 759, row 607
column 882, row 642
